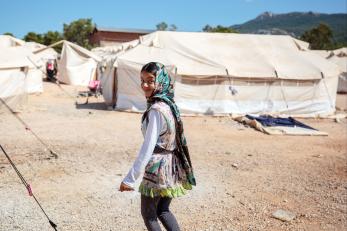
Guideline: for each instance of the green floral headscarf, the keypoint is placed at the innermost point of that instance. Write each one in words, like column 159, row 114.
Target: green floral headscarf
column 164, row 91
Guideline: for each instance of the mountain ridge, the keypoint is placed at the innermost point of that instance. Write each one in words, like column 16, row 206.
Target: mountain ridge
column 295, row 24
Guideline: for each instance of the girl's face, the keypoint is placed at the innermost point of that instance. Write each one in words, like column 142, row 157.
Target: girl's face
column 147, row 83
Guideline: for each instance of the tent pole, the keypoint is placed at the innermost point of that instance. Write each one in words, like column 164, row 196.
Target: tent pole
column 50, row 46
column 115, row 88
column 175, row 77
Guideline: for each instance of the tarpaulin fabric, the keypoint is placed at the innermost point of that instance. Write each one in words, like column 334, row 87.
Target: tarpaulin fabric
column 281, row 128
column 268, row 121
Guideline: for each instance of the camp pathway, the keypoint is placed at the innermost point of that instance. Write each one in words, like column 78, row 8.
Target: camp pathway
column 243, row 176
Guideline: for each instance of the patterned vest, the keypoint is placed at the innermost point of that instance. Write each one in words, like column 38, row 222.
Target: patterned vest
column 164, row 175
column 167, row 140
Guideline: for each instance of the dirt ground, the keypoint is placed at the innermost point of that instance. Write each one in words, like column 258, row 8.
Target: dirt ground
column 243, row 176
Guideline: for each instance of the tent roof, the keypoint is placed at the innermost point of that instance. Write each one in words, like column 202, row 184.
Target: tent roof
column 111, row 52
column 338, row 56
column 239, row 55
column 340, row 61
column 123, row 30
column 19, row 56
column 48, row 53
column 322, row 53
column 9, row 41
column 341, row 52
column 83, row 51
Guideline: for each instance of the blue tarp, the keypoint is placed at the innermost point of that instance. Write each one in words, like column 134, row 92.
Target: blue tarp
column 269, row 121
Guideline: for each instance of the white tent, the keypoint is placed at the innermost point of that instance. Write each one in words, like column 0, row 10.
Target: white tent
column 108, row 53
column 17, row 69
column 106, row 70
column 339, row 57
column 20, row 56
column 19, row 49
column 42, row 56
column 44, row 53
column 77, row 65
column 9, row 41
column 271, row 73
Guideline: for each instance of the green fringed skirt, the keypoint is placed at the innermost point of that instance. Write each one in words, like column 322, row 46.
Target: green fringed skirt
column 165, row 177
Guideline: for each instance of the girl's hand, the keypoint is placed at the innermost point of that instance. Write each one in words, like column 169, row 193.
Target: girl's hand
column 123, row 187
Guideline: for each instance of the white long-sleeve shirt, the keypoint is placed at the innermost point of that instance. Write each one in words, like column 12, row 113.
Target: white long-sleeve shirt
column 156, row 125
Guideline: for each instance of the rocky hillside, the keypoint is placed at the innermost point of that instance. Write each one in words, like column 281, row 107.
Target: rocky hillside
column 295, row 24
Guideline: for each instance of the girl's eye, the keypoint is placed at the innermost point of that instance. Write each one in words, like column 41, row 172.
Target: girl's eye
column 148, row 82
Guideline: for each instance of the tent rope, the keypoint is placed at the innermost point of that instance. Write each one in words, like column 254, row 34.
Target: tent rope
column 67, row 93
column 54, row 154
column 28, row 187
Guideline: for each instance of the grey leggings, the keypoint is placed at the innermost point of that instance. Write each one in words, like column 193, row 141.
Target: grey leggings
column 158, row 207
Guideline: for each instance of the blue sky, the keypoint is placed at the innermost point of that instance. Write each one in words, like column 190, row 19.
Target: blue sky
column 21, row 17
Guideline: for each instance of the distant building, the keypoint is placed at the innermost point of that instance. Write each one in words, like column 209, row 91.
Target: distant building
column 114, row 36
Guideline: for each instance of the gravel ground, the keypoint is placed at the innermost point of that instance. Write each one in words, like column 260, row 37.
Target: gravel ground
column 243, row 175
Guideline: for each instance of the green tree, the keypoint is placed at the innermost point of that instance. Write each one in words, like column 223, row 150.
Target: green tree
column 320, row 37
column 52, row 37
column 162, row 26
column 219, row 29
column 33, row 37
column 8, row 33
column 173, row 27
column 207, row 28
column 78, row 32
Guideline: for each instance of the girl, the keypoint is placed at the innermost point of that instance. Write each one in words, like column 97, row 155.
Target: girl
column 164, row 156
